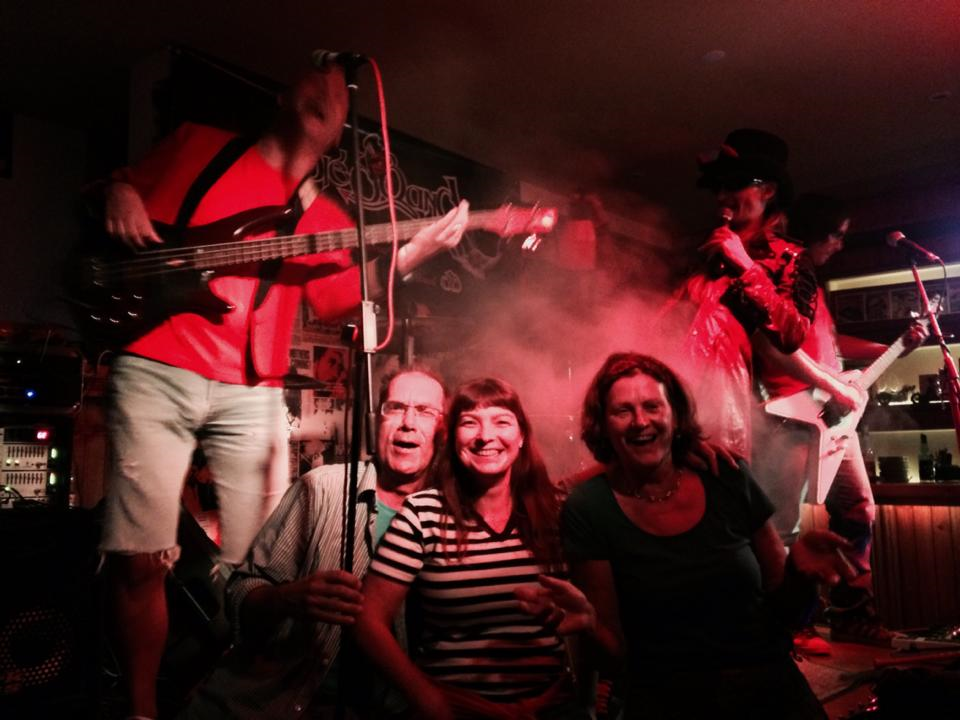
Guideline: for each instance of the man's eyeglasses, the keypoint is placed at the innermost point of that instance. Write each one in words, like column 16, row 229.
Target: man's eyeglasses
column 392, row 408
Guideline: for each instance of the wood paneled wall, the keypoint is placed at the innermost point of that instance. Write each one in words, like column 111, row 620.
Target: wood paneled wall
column 916, row 562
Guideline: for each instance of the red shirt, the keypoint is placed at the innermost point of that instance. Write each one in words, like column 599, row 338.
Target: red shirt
column 820, row 343
column 246, row 346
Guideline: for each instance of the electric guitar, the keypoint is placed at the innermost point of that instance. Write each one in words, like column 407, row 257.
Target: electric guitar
column 833, row 425
column 123, row 293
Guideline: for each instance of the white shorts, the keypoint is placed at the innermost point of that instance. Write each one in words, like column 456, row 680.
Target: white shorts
column 156, row 416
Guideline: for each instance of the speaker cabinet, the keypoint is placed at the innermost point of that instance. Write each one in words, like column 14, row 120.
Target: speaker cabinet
column 49, row 614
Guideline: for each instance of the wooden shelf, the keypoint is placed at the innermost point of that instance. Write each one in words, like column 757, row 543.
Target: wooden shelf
column 886, row 331
column 913, row 417
column 921, row 493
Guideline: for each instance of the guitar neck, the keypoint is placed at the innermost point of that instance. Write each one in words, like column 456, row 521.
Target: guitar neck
column 880, row 365
column 271, row 248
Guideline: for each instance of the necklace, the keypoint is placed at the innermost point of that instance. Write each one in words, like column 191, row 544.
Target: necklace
column 643, row 494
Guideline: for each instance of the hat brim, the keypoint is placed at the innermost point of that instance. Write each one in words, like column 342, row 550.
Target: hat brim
column 734, row 173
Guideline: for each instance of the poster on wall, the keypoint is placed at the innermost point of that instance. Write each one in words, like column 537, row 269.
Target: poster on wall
column 878, row 304
column 849, row 307
column 903, row 302
column 953, row 296
column 330, row 372
column 316, row 399
column 428, row 182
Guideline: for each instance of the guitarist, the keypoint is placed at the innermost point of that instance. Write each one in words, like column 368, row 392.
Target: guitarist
column 217, row 381
column 820, row 223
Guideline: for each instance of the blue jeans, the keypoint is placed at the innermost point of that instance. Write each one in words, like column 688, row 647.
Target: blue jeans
column 156, row 416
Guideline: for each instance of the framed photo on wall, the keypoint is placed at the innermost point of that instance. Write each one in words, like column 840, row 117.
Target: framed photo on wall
column 849, row 307
column 329, row 369
column 877, row 305
column 903, row 301
column 953, row 295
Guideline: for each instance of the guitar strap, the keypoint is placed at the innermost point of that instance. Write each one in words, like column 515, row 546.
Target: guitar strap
column 270, row 268
column 208, row 177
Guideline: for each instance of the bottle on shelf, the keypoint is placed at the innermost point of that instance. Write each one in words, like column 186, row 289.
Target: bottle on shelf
column 925, row 460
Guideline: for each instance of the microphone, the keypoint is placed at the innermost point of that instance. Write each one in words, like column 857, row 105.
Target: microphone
column 715, row 264
column 322, row 59
column 897, row 238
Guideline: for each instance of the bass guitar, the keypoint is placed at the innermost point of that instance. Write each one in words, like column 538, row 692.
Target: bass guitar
column 833, row 426
column 121, row 293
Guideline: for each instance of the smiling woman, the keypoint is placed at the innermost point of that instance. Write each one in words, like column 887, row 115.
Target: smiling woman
column 488, row 441
column 478, row 548
column 682, row 565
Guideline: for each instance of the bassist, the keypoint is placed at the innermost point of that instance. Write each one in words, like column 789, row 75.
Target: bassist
column 217, row 381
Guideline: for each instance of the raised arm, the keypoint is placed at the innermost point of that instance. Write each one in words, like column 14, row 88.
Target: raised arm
column 337, row 295
column 787, row 306
column 804, row 368
column 784, row 305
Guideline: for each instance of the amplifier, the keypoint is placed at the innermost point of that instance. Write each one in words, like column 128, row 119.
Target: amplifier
column 39, row 379
column 34, row 461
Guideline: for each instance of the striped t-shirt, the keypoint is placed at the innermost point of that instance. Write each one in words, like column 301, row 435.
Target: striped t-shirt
column 475, row 636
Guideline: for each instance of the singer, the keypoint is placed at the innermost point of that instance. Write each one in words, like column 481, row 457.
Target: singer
column 217, row 381
column 761, row 283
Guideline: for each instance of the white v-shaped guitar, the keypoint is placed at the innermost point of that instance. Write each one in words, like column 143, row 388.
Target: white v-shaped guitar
column 833, row 426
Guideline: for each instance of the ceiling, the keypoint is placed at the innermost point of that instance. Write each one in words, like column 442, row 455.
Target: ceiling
column 617, row 96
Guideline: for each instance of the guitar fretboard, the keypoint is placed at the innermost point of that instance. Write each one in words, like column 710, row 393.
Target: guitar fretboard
column 246, row 251
column 880, row 365
column 240, row 252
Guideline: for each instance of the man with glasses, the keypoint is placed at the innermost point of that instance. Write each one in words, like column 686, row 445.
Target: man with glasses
column 289, row 600
column 755, row 281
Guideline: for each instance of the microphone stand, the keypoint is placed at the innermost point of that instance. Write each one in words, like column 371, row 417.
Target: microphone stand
column 950, row 367
column 363, row 386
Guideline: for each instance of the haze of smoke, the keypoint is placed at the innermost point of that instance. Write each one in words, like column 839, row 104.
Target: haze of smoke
column 549, row 335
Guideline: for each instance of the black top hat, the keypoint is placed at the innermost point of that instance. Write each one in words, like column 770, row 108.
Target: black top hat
column 746, row 157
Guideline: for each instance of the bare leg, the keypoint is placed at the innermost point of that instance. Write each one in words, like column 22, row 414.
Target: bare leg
column 135, row 587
